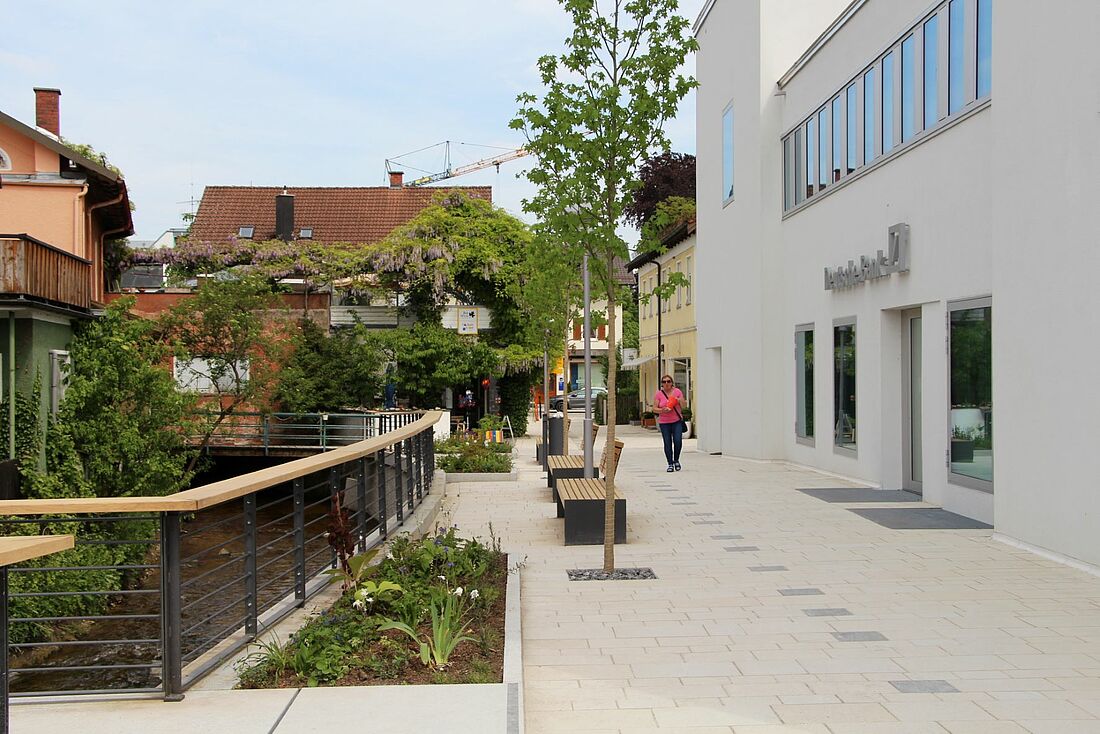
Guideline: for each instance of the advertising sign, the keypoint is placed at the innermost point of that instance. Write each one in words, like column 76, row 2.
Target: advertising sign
column 467, row 321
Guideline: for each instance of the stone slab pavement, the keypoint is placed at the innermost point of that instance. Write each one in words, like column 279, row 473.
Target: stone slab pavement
column 778, row 613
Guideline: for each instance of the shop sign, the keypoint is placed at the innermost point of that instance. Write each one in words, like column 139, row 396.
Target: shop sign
column 467, row 321
column 880, row 265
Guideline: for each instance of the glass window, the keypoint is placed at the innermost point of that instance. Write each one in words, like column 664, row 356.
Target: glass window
column 972, row 392
column 788, row 173
column 727, row 154
column 853, row 128
column 804, row 383
column 690, row 278
column 931, row 72
column 956, row 45
column 679, row 288
column 844, row 386
column 823, row 166
column 908, row 121
column 888, row 102
column 799, row 169
column 985, row 47
column 869, row 116
column 811, row 158
column 838, row 138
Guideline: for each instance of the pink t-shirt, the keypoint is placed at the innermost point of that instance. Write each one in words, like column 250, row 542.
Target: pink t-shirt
column 661, row 400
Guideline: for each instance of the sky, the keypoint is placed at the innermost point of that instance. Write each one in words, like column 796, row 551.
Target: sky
column 321, row 93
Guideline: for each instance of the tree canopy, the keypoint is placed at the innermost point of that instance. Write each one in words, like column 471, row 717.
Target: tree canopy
column 663, row 176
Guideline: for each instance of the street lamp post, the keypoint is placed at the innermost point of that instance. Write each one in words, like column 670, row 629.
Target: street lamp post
column 588, row 470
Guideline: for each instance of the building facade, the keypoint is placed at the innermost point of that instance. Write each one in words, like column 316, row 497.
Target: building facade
column 870, row 283
column 666, row 326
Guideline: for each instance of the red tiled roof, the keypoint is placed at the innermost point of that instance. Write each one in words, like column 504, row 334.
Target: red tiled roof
column 355, row 214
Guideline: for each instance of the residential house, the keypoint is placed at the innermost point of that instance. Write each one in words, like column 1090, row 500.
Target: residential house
column 572, row 378
column 666, row 326
column 57, row 210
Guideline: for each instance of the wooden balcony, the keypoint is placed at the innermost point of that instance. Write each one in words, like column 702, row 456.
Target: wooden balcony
column 33, row 269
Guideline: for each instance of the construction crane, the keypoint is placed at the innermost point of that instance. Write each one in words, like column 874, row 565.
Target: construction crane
column 510, row 154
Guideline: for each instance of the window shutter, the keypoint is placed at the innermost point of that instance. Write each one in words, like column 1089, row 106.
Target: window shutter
column 576, row 331
column 602, row 333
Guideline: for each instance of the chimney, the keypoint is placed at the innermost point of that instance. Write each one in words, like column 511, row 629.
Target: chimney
column 284, row 216
column 47, row 109
column 397, row 179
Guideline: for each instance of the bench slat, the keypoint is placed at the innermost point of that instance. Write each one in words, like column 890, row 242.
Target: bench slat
column 583, row 489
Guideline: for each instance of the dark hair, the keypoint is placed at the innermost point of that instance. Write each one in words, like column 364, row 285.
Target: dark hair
column 669, row 378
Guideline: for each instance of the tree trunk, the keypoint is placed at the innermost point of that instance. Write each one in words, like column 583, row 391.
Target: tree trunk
column 610, row 465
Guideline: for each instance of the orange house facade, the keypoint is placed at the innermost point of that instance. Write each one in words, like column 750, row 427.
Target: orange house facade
column 57, row 210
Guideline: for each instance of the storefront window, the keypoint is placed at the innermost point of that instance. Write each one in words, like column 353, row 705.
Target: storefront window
column 804, row 382
column 972, row 391
column 844, row 386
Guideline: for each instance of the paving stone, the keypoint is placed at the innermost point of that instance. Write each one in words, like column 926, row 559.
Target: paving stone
column 741, row 548
column 767, row 568
column 684, row 503
column 801, row 592
column 706, row 522
column 726, row 537
column 837, row 612
column 924, row 686
column 859, row 636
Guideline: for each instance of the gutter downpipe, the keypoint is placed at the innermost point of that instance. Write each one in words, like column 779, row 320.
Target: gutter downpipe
column 660, row 346
column 11, row 384
column 103, row 235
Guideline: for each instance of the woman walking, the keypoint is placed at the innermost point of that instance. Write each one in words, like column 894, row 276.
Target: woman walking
column 668, row 400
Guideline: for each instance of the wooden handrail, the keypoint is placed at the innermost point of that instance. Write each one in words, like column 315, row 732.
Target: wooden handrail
column 209, row 495
column 18, row 548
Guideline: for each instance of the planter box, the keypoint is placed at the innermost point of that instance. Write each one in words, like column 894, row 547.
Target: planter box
column 962, row 451
column 649, row 422
column 454, row 477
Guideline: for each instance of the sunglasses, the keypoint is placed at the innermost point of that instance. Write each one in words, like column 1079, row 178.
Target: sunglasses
column 666, row 380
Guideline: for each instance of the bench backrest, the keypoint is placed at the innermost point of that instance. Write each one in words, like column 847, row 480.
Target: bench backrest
column 618, row 452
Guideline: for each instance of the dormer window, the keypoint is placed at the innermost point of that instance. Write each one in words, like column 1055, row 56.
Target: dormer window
column 5, row 161
column 246, row 232
column 306, row 233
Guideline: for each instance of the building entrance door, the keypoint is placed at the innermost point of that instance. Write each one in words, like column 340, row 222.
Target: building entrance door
column 913, row 473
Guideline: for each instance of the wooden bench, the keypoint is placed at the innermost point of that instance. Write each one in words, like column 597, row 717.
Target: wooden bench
column 538, row 449
column 581, row 502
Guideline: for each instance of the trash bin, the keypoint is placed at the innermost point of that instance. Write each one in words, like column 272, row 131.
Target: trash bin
column 555, row 441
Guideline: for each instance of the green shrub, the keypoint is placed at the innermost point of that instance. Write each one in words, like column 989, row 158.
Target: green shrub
column 476, row 460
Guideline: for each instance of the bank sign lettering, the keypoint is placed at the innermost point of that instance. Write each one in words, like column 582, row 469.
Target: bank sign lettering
column 880, row 265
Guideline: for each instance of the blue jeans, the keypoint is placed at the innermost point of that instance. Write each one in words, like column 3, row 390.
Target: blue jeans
column 673, row 435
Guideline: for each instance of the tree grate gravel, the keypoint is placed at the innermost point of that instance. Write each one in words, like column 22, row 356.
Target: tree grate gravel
column 619, row 574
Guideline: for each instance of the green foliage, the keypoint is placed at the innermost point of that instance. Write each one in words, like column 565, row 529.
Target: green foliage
column 28, row 427
column 430, row 358
column 515, row 398
column 323, row 650
column 490, row 423
column 448, row 615
column 475, row 458
column 358, row 567
column 117, row 432
column 330, row 372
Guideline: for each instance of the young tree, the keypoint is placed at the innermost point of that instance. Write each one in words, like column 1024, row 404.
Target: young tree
column 603, row 109
column 665, row 175
column 231, row 337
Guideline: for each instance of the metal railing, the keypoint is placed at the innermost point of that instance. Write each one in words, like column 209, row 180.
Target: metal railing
column 160, row 591
column 276, row 432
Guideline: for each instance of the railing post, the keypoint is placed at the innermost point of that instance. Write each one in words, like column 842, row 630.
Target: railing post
column 250, row 602
column 335, row 494
column 324, row 432
column 418, row 442
column 361, row 499
column 300, row 540
column 431, row 456
column 398, row 484
column 380, row 485
column 267, row 434
column 4, row 649
column 409, row 478
column 170, row 607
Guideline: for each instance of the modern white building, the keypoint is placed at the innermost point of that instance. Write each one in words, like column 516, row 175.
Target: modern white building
column 897, row 256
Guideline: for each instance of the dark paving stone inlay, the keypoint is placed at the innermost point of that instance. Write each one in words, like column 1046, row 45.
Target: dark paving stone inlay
column 801, row 592
column 619, row 574
column 681, row 504
column 706, row 522
column 923, row 686
column 699, row 514
column 919, row 518
column 862, row 636
column 726, row 537
column 837, row 612
column 741, row 548
column 767, row 568
column 861, row 494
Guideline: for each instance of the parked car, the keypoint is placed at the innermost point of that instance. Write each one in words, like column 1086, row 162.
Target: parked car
column 576, row 399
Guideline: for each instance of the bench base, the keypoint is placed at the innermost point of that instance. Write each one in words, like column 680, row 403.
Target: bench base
column 584, row 521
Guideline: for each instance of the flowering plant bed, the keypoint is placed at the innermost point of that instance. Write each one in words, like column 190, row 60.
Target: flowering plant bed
column 431, row 612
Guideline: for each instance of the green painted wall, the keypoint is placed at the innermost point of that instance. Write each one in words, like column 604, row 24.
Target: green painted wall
column 34, row 339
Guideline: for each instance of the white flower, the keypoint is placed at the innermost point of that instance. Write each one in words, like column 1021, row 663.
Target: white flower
column 475, row 594
column 389, row 555
column 458, row 591
column 358, row 604
column 442, row 578
column 369, row 599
